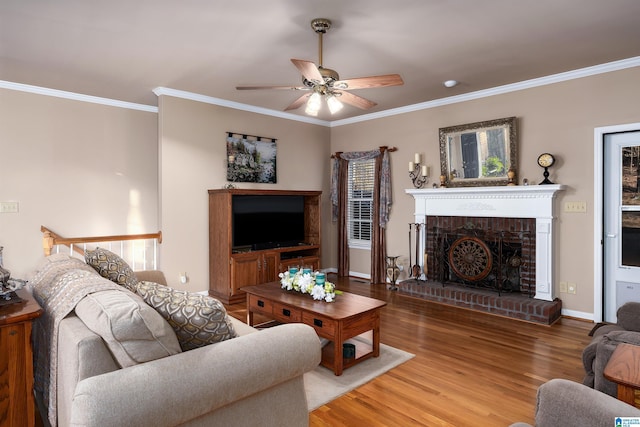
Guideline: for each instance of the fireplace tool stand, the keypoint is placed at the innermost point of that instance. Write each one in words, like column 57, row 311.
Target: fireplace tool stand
column 415, row 271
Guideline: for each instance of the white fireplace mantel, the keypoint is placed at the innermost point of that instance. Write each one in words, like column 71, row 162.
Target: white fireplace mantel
column 530, row 201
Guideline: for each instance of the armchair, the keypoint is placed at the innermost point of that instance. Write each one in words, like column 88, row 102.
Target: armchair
column 606, row 338
column 566, row 403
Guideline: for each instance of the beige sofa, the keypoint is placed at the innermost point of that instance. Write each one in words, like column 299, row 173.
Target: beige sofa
column 254, row 379
column 606, row 338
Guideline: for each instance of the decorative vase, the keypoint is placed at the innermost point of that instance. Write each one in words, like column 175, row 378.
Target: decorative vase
column 320, row 279
column 511, row 174
column 393, row 272
column 4, row 273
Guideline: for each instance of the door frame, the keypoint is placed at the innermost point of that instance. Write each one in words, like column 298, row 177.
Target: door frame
column 598, row 214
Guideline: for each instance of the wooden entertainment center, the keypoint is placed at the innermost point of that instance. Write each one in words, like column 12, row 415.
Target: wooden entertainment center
column 231, row 269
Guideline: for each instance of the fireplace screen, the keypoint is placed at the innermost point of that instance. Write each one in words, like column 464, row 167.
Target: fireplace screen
column 470, row 258
column 481, row 258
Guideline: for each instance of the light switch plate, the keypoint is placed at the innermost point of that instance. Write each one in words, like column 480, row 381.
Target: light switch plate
column 575, row 207
column 8, row 207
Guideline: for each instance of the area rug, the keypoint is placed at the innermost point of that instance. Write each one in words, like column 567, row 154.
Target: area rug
column 322, row 386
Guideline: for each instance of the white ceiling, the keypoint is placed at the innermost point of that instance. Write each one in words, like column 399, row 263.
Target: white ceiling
column 123, row 49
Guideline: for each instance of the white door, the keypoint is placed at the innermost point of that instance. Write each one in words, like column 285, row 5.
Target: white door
column 621, row 197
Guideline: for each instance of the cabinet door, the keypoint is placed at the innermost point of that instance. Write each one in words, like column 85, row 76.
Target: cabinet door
column 270, row 267
column 245, row 271
column 314, row 262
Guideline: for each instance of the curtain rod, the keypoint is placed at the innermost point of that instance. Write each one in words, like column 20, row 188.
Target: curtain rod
column 384, row 147
column 246, row 136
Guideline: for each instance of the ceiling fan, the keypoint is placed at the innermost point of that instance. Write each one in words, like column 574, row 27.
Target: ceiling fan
column 325, row 82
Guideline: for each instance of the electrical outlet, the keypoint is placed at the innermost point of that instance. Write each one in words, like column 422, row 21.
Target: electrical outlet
column 563, row 287
column 575, row 207
column 572, row 288
column 8, row 207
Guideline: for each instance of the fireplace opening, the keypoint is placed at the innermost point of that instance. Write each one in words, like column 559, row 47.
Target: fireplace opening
column 481, row 258
column 489, row 253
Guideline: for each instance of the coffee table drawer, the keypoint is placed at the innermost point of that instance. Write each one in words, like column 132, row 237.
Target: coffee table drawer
column 260, row 305
column 285, row 313
column 323, row 325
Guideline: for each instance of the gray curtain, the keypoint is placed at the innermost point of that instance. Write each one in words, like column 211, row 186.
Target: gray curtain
column 382, row 201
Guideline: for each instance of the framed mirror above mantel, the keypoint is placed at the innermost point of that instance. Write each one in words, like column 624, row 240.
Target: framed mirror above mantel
column 479, row 154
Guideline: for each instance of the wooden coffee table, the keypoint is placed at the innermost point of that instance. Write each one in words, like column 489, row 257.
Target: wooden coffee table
column 347, row 317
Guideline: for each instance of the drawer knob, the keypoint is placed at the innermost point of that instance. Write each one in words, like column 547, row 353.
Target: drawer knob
column 317, row 322
column 260, row 303
column 286, row 312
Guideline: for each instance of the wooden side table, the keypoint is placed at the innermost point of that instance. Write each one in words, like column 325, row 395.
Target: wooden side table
column 17, row 406
column 623, row 369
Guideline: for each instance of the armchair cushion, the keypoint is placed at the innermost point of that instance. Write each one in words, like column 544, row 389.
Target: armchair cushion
column 133, row 331
column 198, row 320
column 629, row 316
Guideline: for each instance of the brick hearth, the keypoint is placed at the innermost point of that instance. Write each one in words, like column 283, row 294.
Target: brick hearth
column 513, row 305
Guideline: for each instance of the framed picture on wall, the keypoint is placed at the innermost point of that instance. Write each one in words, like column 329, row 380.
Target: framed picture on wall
column 251, row 159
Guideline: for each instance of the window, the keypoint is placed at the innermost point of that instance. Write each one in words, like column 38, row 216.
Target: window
column 360, row 204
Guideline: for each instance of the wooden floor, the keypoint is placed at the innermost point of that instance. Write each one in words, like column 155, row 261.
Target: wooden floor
column 470, row 369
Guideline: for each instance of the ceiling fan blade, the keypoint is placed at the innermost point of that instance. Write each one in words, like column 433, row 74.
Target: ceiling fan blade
column 308, row 70
column 355, row 100
column 272, row 87
column 298, row 102
column 369, row 82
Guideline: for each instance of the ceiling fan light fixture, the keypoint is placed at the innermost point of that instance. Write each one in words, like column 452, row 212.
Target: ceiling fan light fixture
column 334, row 104
column 313, row 104
column 325, row 83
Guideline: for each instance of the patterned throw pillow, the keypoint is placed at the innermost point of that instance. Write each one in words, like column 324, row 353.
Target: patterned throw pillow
column 112, row 267
column 197, row 320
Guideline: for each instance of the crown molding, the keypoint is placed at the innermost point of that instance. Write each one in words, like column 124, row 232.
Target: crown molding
column 498, row 90
column 159, row 91
column 76, row 96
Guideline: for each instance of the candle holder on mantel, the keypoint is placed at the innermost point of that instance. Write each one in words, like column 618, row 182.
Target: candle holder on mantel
column 418, row 173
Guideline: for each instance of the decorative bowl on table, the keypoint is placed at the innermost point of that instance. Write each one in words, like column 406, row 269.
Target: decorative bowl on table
column 8, row 288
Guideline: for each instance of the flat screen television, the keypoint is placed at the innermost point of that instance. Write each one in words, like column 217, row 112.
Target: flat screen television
column 267, row 221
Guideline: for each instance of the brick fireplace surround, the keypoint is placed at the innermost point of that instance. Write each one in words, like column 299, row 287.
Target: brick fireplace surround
column 512, row 209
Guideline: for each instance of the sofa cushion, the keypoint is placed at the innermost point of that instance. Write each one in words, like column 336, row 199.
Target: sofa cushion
column 112, row 267
column 197, row 320
column 134, row 332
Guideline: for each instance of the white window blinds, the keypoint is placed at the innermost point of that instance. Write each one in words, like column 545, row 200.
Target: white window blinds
column 360, row 205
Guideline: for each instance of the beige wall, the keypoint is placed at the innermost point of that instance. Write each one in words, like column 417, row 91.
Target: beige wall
column 56, row 163
column 79, row 168
column 193, row 157
column 558, row 118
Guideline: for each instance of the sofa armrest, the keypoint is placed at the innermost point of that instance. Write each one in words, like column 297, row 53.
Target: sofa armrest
column 81, row 354
column 567, row 403
column 185, row 386
column 155, row 276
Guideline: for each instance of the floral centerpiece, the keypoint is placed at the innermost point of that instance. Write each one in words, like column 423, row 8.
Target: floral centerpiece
column 309, row 283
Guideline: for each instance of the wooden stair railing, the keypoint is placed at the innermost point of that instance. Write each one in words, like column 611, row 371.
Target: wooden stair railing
column 51, row 239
